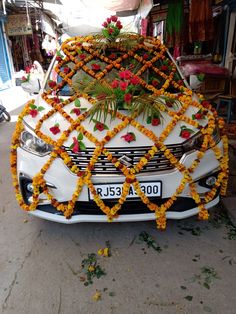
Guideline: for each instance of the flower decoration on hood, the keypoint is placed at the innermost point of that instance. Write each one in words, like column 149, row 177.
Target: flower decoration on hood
column 55, row 129
column 77, row 109
column 185, row 132
column 199, row 115
column 125, row 86
column 99, row 126
column 34, row 110
column 129, row 137
column 112, row 27
column 78, row 144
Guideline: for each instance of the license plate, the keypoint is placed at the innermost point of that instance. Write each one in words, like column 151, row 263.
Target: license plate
column 114, row 190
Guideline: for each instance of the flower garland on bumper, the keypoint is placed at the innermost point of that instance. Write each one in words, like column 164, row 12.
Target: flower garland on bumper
column 149, row 54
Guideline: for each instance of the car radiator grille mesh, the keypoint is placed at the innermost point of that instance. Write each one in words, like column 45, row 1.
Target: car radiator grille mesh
column 128, row 156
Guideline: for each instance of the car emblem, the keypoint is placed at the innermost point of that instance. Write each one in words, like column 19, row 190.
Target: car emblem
column 125, row 160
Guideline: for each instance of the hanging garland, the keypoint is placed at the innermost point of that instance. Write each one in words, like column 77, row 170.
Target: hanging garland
column 117, row 54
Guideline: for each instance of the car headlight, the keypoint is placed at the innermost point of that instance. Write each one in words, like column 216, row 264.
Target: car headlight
column 216, row 135
column 195, row 142
column 34, row 145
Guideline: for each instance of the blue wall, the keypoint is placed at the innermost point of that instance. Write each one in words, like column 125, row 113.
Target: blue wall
column 5, row 73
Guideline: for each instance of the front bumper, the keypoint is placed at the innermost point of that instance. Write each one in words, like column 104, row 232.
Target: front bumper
column 62, row 183
column 58, row 217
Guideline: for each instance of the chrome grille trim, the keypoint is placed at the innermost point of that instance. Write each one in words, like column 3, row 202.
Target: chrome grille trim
column 158, row 163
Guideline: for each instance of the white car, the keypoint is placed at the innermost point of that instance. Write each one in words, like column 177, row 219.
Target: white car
column 81, row 155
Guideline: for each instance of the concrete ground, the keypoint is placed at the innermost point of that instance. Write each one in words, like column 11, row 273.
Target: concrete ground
column 189, row 268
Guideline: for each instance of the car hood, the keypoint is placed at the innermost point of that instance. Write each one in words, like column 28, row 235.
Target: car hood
column 117, row 141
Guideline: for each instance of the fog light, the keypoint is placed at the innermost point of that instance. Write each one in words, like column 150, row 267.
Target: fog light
column 30, row 188
column 210, row 181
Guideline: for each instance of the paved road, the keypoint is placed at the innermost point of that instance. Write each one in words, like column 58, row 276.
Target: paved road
column 189, row 268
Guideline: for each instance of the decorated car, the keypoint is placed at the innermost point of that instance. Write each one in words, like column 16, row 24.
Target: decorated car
column 116, row 134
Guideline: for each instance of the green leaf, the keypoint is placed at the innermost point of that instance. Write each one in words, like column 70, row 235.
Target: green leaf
column 95, row 128
column 106, row 127
column 188, row 297
column 206, row 285
column 77, row 102
column 149, row 120
column 80, row 137
column 82, row 146
column 40, row 108
column 33, row 106
column 57, row 124
column 71, row 146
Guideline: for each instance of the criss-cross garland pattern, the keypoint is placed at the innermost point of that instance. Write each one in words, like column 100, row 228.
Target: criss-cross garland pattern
column 151, row 56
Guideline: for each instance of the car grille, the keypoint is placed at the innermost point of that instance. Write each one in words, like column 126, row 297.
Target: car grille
column 131, row 155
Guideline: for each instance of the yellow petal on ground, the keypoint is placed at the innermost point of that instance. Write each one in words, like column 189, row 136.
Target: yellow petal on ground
column 97, row 296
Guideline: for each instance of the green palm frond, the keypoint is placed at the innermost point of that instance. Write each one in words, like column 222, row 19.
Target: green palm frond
column 146, row 105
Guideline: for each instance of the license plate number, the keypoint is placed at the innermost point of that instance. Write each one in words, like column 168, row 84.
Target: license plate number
column 114, row 190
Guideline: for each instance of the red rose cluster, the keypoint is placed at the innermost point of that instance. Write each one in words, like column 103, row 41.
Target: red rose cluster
column 124, row 88
column 112, row 27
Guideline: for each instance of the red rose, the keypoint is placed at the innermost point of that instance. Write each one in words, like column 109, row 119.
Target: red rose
column 155, row 82
column 118, row 23
column 77, row 111
column 125, row 75
column 27, row 69
column 33, row 113
column 110, row 30
column 145, row 56
column 180, row 82
column 185, row 134
column 52, row 84
column 198, row 116
column 104, row 24
column 134, row 80
column 155, row 121
column 55, row 129
column 108, row 20
column 164, row 68
column 123, row 85
column 119, row 26
column 99, row 126
column 205, row 103
column 129, row 137
column 24, row 78
column 96, row 67
column 58, row 58
column 75, row 148
column 114, row 18
column 82, row 56
column 115, row 84
column 66, row 70
column 128, row 98
column 112, row 56
column 56, row 99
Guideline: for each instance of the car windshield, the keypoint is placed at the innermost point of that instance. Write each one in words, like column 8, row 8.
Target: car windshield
column 80, row 77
